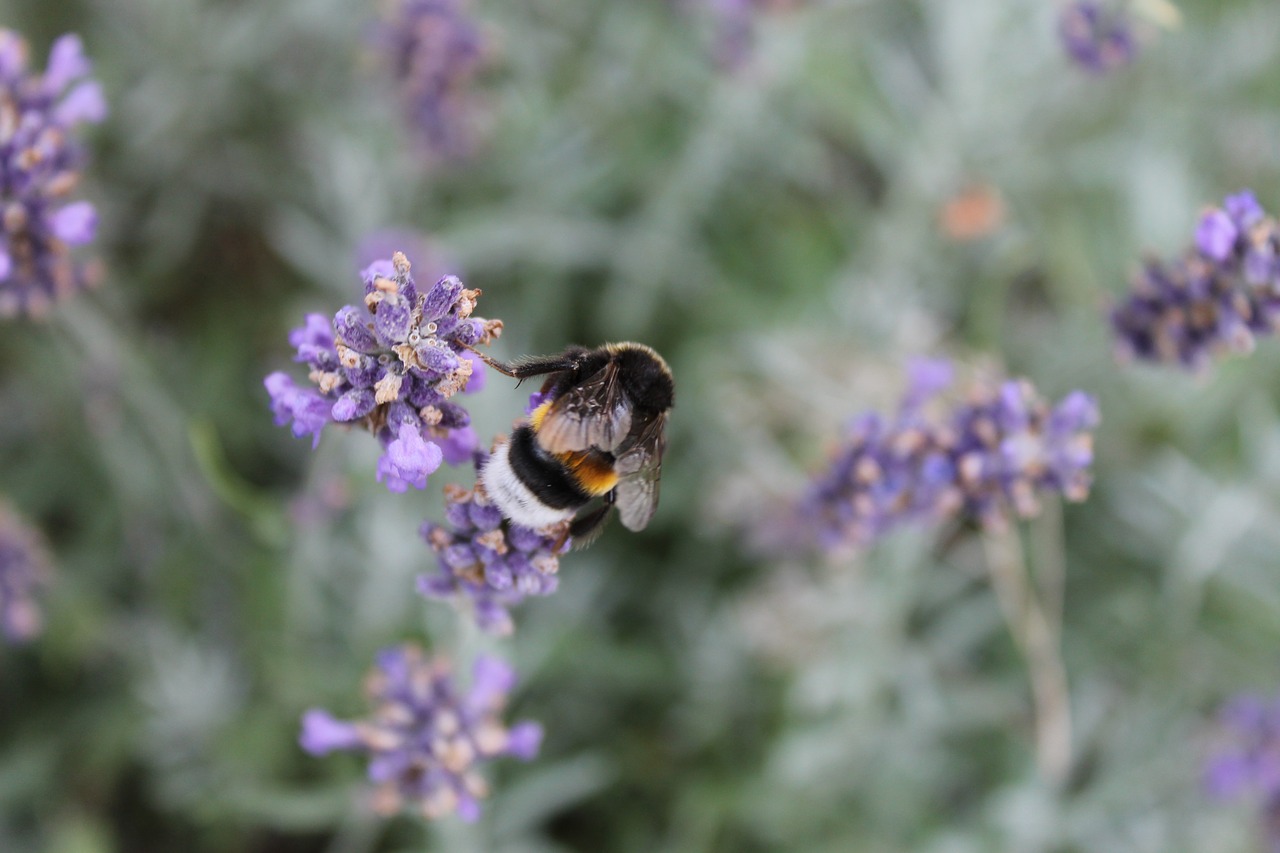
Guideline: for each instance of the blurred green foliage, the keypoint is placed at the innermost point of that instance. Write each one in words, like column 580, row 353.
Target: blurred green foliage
column 775, row 233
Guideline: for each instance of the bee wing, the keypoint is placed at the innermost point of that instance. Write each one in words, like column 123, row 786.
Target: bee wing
column 593, row 413
column 640, row 468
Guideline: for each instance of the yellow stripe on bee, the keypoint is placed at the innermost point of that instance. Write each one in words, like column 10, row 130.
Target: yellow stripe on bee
column 537, row 415
column 594, row 475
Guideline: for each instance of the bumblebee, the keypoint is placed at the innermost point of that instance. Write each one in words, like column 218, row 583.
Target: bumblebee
column 599, row 432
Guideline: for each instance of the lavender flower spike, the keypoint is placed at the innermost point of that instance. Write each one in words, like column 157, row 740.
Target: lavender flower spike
column 486, row 561
column 1098, row 39
column 984, row 457
column 1219, row 297
column 1247, row 762
column 391, row 367
column 39, row 168
column 24, row 570
column 434, row 50
column 425, row 738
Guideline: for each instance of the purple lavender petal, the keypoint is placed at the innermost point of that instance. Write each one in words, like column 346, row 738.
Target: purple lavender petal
column 352, row 325
column 393, row 320
column 76, row 223
column 84, row 103
column 1243, row 208
column 439, row 359
column 354, row 404
column 928, row 377
column 315, row 331
column 322, row 733
column 441, row 296
column 1216, row 235
column 67, row 62
column 307, row 410
column 459, row 445
column 409, row 460
column 524, row 740
column 491, row 680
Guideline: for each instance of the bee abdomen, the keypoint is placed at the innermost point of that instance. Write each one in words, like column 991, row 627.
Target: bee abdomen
column 592, row 471
column 531, row 487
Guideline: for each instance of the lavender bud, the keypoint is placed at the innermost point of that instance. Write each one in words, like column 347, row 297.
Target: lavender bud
column 354, row 404
column 352, row 325
column 438, row 359
column 393, row 320
column 441, row 298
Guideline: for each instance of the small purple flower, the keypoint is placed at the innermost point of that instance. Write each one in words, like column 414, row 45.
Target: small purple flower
column 40, row 165
column 426, row 739
column 408, row 460
column 1246, row 763
column 485, row 561
column 1216, row 235
column 733, row 26
column 1220, row 296
column 25, row 570
column 985, row 458
column 390, row 366
column 434, row 50
column 1098, row 39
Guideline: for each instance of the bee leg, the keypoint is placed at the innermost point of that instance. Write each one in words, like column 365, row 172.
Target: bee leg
column 527, row 367
column 584, row 530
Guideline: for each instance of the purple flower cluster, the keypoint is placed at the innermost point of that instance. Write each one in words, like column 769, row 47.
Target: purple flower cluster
column 425, row 739
column 1221, row 295
column 39, row 168
column 391, row 366
column 1247, row 763
column 1098, row 39
column 984, row 457
column 434, row 50
column 487, row 561
column 733, row 24
column 24, row 570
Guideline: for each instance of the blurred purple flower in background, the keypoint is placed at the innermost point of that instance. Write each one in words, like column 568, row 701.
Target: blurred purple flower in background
column 1247, row 762
column 733, row 25
column 984, row 457
column 425, row 739
column 486, row 561
column 1097, row 38
column 434, row 50
column 391, row 366
column 25, row 570
column 39, row 168
column 1219, row 297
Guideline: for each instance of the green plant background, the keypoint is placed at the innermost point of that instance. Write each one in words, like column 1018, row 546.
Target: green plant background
column 774, row 232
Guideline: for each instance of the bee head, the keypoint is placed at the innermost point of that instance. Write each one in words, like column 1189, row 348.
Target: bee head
column 645, row 376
